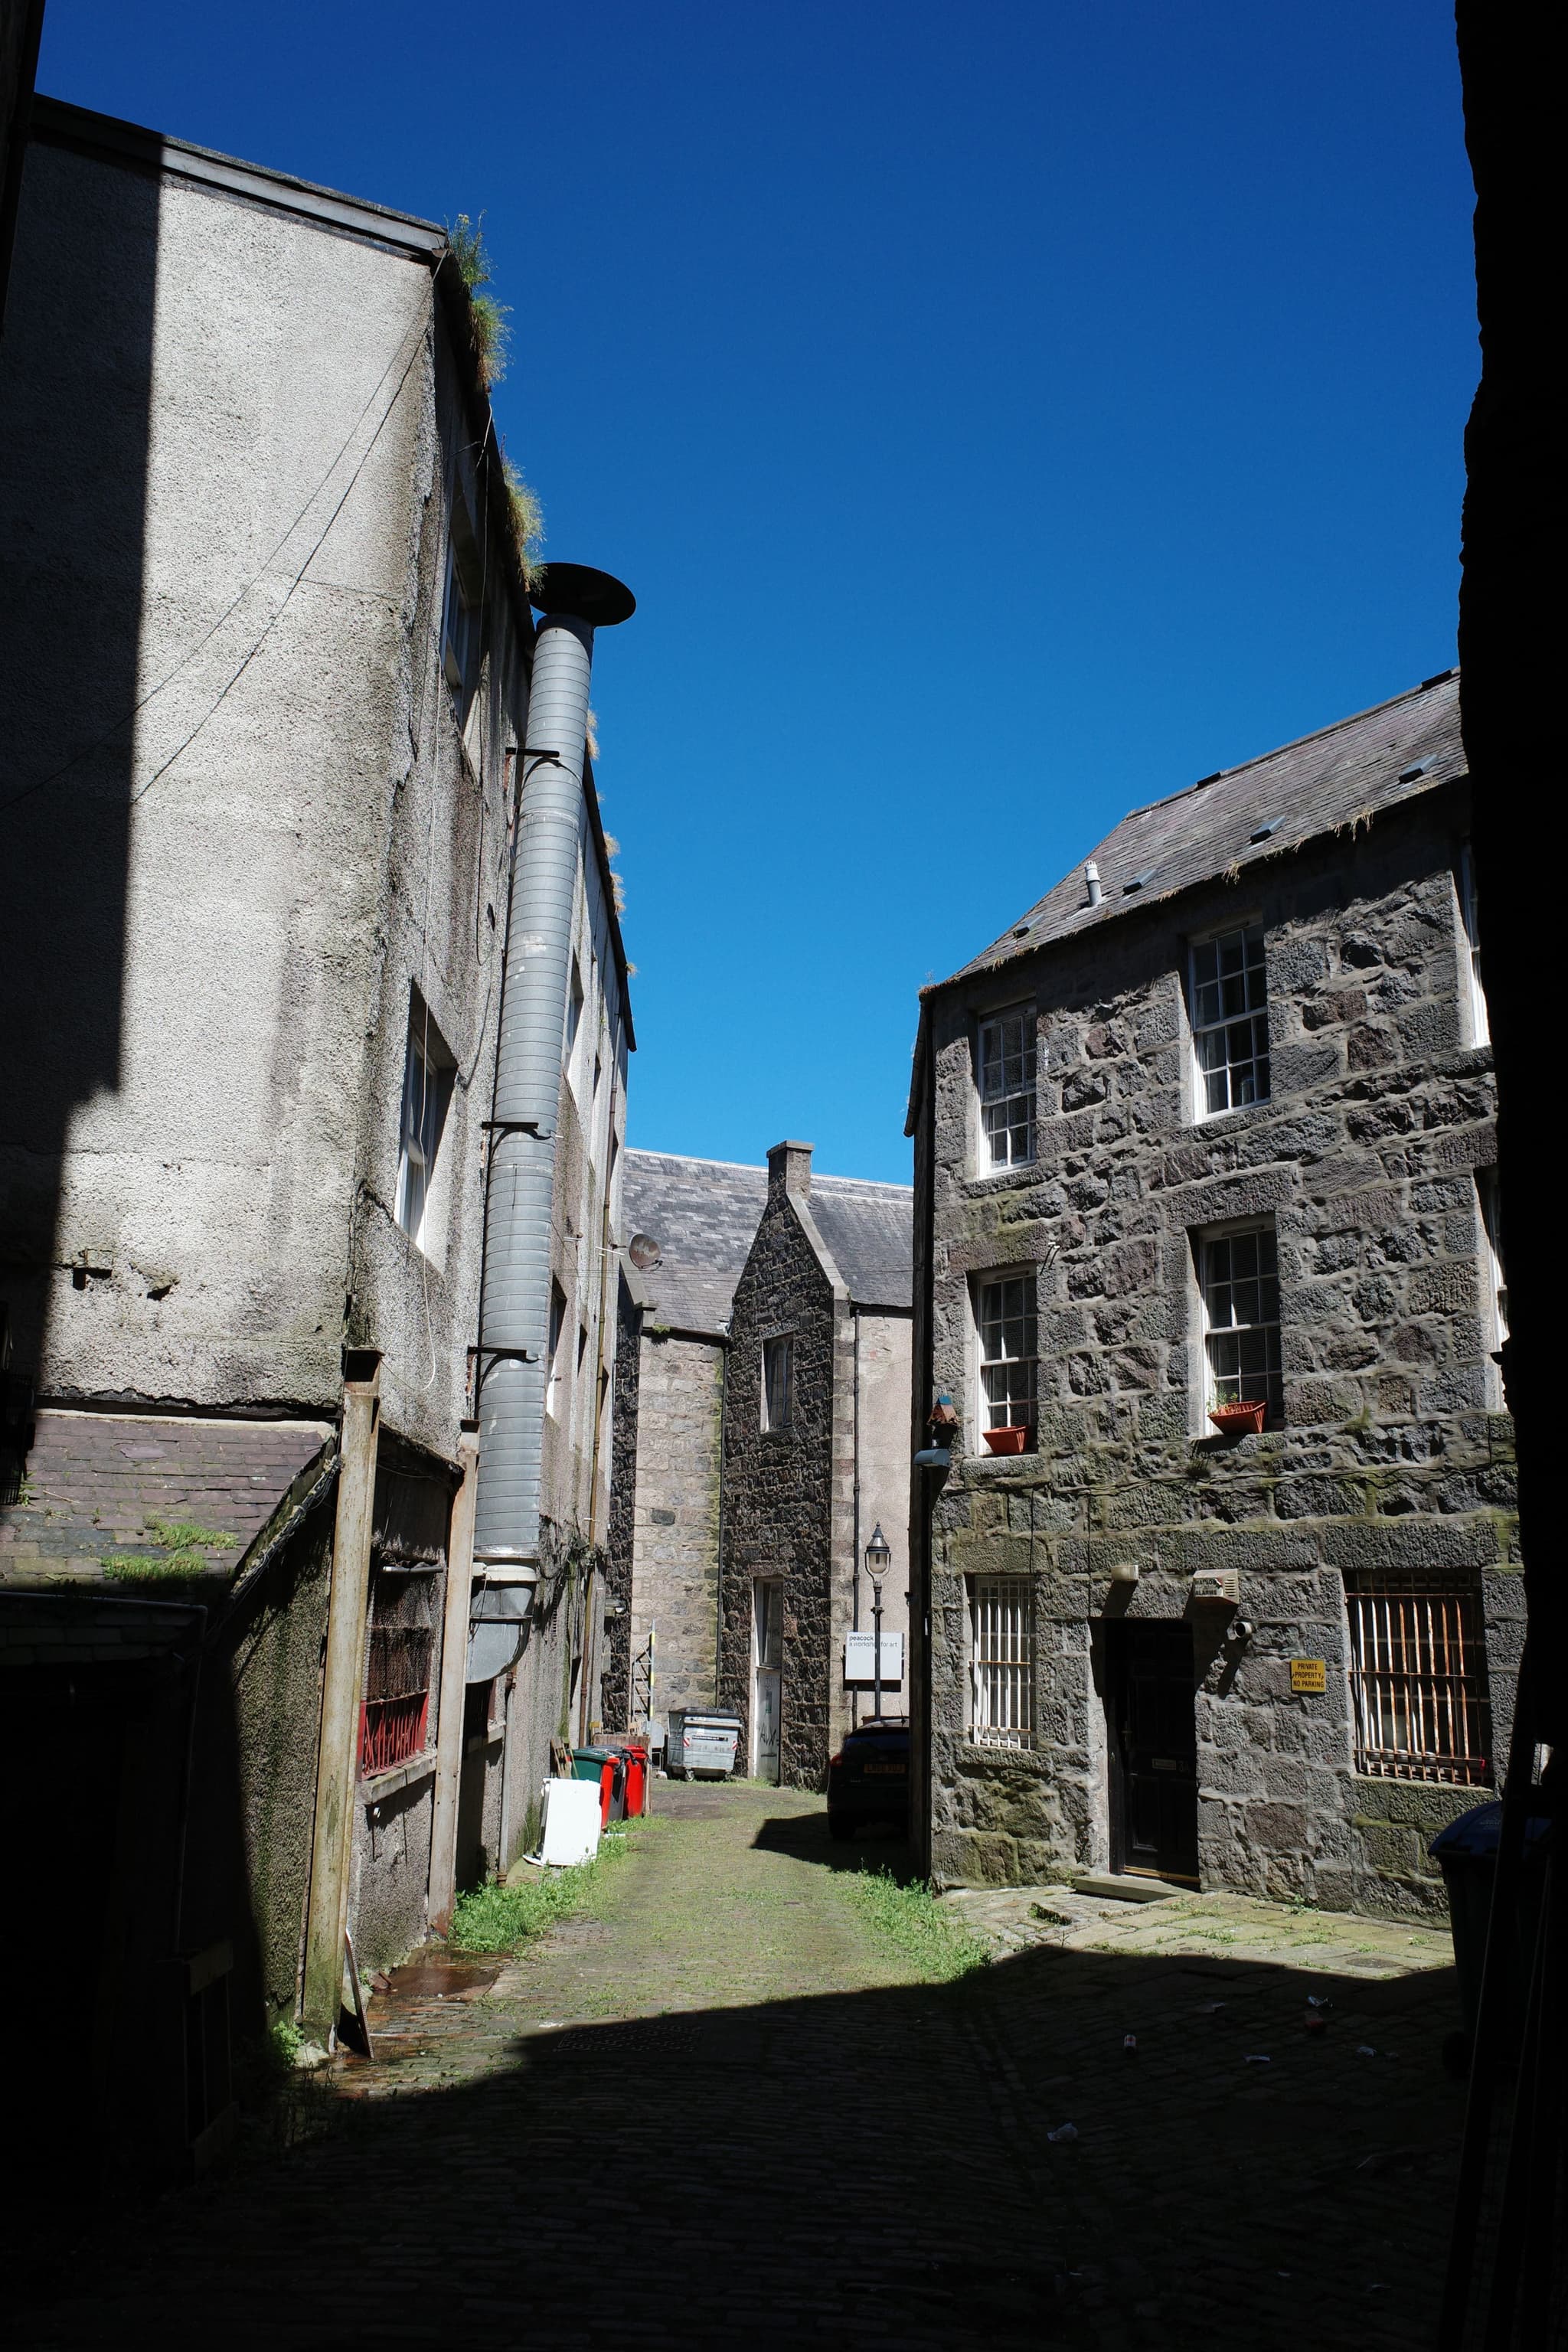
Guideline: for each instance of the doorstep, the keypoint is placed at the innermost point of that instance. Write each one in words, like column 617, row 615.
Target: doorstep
column 1119, row 1888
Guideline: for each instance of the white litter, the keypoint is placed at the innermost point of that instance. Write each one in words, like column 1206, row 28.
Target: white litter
column 1364, row 2050
column 1257, row 2061
column 1063, row 2131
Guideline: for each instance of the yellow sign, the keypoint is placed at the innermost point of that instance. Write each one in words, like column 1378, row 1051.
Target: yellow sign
column 1309, row 1673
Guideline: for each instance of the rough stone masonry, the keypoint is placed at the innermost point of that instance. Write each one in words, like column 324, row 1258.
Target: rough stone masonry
column 1381, row 1480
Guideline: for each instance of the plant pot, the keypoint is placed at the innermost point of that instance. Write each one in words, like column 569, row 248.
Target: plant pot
column 1006, row 1440
column 1239, row 1420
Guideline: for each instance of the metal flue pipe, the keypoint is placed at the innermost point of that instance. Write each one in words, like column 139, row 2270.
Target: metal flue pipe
column 515, row 1323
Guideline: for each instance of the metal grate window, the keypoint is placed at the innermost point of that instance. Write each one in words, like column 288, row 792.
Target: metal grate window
column 1002, row 1711
column 1241, row 1319
column 398, row 1697
column 1009, row 1350
column 1418, row 1679
column 1008, row 1088
column 1230, row 1021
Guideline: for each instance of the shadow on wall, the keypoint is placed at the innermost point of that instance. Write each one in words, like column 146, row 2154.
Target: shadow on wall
column 75, row 386
column 873, row 2167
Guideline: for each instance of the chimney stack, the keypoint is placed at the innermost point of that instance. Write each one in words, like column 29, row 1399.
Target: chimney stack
column 789, row 1171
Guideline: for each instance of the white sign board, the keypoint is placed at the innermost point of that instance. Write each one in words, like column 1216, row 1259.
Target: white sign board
column 859, row 1659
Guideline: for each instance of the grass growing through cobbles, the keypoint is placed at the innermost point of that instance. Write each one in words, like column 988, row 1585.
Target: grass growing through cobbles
column 499, row 1917
column 912, row 1920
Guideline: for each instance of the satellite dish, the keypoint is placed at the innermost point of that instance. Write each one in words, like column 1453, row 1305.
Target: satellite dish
column 644, row 1252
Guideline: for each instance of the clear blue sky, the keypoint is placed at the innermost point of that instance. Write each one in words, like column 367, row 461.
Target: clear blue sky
column 1003, row 413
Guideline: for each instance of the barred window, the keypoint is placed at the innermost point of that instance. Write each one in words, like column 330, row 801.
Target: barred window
column 1002, row 1711
column 1418, row 1678
column 1008, row 1088
column 1230, row 1021
column 400, row 1655
column 1009, row 1350
column 1240, row 1274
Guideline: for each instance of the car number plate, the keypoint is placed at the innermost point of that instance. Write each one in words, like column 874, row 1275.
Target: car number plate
column 877, row 1765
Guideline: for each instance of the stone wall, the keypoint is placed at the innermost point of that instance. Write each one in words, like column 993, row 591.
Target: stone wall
column 779, row 1496
column 1393, row 1451
column 676, row 1532
column 615, row 1689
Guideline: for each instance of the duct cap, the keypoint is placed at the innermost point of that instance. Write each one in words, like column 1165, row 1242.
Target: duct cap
column 579, row 593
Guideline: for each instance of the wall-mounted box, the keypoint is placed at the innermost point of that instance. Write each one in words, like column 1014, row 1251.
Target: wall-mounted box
column 1218, row 1584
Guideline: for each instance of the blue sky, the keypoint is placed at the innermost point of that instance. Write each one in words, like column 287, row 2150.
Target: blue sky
column 1005, row 415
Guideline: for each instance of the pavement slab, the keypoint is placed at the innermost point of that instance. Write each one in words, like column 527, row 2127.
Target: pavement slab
column 717, row 2107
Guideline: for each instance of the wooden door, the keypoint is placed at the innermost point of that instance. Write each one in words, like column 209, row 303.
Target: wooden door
column 1149, row 1688
column 767, row 1668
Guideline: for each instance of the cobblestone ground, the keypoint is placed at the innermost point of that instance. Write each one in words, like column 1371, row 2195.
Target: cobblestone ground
column 717, row 2112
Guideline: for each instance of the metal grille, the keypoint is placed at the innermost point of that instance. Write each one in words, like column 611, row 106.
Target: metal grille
column 1008, row 1088
column 1002, row 1667
column 398, row 1697
column 1418, row 1680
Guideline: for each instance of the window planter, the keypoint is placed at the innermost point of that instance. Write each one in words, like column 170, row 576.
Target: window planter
column 1239, row 1420
column 1006, row 1440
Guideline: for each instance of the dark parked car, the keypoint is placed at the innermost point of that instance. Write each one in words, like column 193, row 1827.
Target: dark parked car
column 869, row 1779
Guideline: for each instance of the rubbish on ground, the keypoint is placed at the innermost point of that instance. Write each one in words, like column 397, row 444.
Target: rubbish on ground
column 1130, row 2042
column 1319, row 2000
column 1255, row 2059
column 1315, row 2022
column 1207, row 2008
column 1364, row 2050
column 1063, row 2131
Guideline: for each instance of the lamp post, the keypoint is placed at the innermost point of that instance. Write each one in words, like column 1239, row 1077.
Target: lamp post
column 879, row 1558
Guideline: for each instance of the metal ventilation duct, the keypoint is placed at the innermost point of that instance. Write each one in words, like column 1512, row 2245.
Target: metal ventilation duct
column 515, row 1311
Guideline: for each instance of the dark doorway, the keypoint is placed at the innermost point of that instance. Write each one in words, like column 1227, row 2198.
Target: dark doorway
column 1148, row 1684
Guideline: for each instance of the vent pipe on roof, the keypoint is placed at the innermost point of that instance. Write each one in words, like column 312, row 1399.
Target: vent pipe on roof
column 1091, row 875
column 514, row 1317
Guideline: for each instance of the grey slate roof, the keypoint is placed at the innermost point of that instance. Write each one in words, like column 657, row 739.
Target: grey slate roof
column 704, row 1215
column 1351, row 771
column 870, row 1230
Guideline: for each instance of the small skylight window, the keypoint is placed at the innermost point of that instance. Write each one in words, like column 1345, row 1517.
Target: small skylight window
column 1137, row 883
column 1264, row 831
column 1422, row 768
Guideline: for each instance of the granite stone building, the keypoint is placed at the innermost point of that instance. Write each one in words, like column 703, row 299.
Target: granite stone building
column 266, row 845
column 762, row 1412
column 1221, row 1584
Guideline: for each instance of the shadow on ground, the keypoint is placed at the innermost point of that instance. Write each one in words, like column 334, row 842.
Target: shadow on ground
column 870, row 2169
column 807, row 1837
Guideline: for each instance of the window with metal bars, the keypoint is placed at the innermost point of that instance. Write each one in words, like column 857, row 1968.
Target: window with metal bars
column 396, row 1710
column 1008, row 1088
column 1002, row 1662
column 1240, row 1278
column 1008, row 1327
column 1418, row 1682
column 1230, row 1021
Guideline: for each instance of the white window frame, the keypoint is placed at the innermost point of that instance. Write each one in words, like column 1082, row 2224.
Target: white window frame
column 1001, row 1661
column 1494, row 1279
column 1007, row 1067
column 1209, row 1018
column 1018, row 1304
column 427, row 1093
column 559, row 1320
column 1216, row 1248
column 1480, row 1024
column 778, row 1400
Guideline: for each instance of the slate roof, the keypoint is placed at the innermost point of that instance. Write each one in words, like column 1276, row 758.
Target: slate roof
column 870, row 1230
column 704, row 1215
column 95, row 1480
column 1352, row 770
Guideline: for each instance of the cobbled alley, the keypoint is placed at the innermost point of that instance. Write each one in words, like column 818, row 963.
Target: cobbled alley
column 724, row 2107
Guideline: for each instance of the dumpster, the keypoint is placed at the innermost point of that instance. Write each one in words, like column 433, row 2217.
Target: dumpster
column 701, row 1740
column 602, row 1764
column 1467, row 1850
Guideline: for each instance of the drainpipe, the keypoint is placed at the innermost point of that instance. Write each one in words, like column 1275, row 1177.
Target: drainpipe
column 515, row 1312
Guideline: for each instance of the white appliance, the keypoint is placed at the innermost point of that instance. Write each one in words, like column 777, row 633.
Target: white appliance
column 571, row 1821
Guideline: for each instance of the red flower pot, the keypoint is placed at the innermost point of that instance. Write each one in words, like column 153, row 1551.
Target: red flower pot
column 1239, row 1420
column 1006, row 1440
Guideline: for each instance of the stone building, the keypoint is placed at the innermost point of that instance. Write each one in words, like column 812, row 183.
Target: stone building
column 1211, row 1125
column 762, row 1416
column 266, row 845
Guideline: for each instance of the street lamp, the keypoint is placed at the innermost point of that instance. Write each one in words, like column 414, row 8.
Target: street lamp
column 879, row 1559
